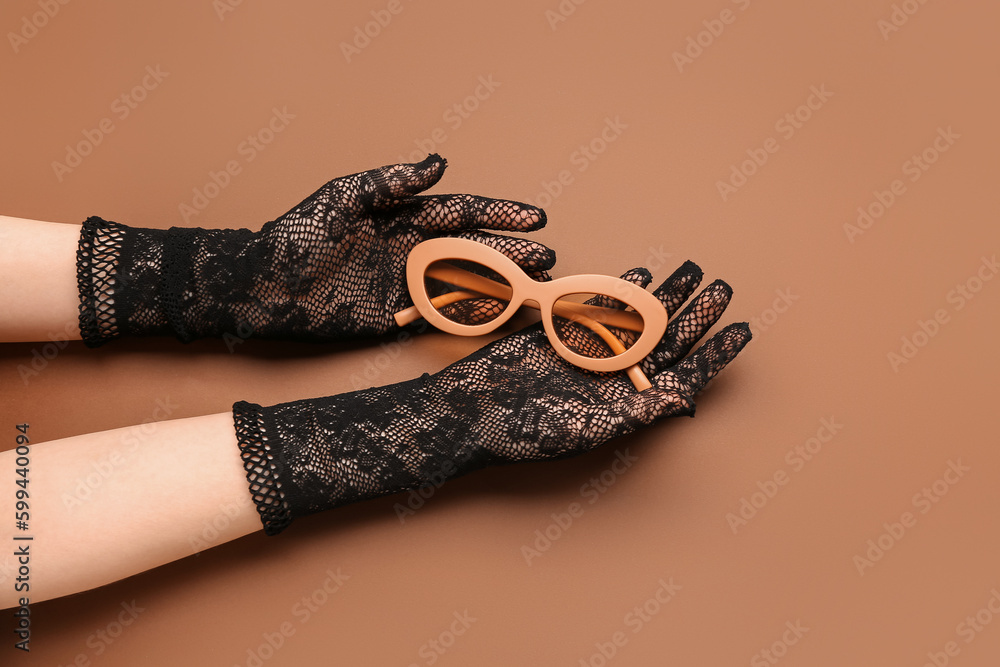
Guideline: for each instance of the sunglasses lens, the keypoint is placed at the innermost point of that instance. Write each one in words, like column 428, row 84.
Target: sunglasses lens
column 591, row 326
column 466, row 292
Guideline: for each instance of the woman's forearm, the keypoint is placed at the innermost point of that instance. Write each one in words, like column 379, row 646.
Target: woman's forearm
column 39, row 300
column 105, row 506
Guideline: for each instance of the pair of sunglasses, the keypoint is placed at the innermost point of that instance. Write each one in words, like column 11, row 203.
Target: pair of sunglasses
column 466, row 288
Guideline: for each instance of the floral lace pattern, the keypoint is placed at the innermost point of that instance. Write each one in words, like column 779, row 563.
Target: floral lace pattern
column 514, row 400
column 331, row 268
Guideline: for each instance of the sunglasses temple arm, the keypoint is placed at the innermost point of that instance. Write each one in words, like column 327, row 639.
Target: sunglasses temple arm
column 621, row 319
column 411, row 314
column 407, row 316
column 634, row 373
column 638, row 378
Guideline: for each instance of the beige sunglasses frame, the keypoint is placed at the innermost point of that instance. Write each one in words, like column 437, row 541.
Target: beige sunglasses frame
column 649, row 316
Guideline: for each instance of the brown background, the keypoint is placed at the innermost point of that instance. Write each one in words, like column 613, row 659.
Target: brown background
column 651, row 192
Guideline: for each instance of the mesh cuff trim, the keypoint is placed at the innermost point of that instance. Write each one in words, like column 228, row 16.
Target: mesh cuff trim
column 261, row 468
column 97, row 257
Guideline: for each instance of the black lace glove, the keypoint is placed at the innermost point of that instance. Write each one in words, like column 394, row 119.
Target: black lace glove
column 514, row 400
column 333, row 267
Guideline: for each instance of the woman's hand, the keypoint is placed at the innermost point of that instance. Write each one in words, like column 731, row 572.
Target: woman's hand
column 514, row 400
column 331, row 268
column 336, row 263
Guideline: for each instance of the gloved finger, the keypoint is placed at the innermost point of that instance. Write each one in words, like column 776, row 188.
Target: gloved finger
column 451, row 213
column 689, row 326
column 638, row 276
column 529, row 255
column 540, row 276
column 681, row 284
column 381, row 187
column 656, row 402
column 692, row 374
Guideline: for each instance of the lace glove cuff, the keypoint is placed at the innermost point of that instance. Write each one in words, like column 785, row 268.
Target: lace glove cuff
column 153, row 282
column 111, row 280
column 312, row 455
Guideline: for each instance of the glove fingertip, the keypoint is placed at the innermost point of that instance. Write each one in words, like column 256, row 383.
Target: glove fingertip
column 433, row 159
column 739, row 333
column 724, row 286
column 548, row 257
column 429, row 171
column 639, row 275
column 531, row 218
column 690, row 267
column 411, row 178
column 543, row 218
